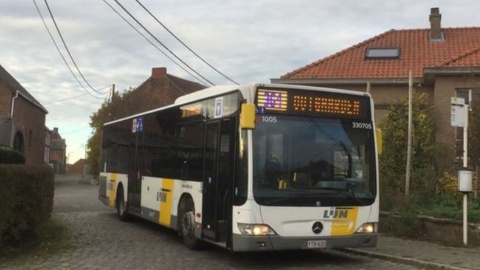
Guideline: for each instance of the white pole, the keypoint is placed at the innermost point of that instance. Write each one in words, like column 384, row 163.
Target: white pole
column 409, row 135
column 465, row 165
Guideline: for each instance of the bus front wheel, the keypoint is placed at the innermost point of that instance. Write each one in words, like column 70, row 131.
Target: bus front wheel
column 187, row 224
column 121, row 206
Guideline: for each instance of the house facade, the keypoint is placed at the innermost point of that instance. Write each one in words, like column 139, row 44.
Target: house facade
column 444, row 63
column 22, row 120
column 58, row 152
column 159, row 90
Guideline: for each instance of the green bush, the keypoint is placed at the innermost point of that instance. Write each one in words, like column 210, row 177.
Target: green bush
column 11, row 157
column 447, row 206
column 26, row 201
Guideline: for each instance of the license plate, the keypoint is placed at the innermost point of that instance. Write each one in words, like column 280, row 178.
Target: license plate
column 317, row 244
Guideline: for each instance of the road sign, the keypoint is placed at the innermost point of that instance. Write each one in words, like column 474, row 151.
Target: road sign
column 457, row 112
column 137, row 125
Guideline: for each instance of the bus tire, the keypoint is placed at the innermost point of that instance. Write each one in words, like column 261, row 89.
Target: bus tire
column 187, row 224
column 121, row 206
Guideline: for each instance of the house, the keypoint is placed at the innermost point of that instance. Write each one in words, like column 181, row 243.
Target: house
column 58, row 152
column 22, row 120
column 159, row 90
column 79, row 167
column 48, row 143
column 445, row 63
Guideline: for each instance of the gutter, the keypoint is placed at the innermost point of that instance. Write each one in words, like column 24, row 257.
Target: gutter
column 356, row 81
column 13, row 103
column 18, row 93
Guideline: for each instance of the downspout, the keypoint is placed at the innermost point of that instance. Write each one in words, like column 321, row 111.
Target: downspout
column 13, row 104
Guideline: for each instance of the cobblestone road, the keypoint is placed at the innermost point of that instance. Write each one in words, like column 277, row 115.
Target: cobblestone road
column 98, row 240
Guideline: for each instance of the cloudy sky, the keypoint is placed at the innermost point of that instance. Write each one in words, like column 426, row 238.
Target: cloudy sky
column 249, row 41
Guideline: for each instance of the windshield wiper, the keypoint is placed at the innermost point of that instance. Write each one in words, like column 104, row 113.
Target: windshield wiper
column 352, row 196
column 347, row 193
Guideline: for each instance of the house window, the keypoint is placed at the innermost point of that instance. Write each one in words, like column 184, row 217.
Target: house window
column 18, row 142
column 466, row 94
column 382, row 53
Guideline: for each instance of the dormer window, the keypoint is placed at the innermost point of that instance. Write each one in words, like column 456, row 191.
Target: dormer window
column 382, row 53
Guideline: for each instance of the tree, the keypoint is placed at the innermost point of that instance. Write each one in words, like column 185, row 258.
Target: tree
column 110, row 110
column 473, row 141
column 393, row 159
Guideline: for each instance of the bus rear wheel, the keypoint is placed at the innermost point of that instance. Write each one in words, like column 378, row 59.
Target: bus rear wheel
column 187, row 224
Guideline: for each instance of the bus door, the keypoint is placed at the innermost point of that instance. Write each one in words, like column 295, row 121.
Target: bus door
column 134, row 172
column 218, row 181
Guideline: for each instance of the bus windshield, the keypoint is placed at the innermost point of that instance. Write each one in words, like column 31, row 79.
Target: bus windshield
column 312, row 161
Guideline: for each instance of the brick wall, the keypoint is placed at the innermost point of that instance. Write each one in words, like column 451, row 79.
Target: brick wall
column 30, row 121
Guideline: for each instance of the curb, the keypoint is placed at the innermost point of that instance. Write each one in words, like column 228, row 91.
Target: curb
column 404, row 260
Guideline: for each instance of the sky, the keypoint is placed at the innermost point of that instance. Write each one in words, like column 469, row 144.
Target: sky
column 248, row 41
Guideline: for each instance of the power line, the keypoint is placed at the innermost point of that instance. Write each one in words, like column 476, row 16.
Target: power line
column 185, row 45
column 68, row 51
column 58, row 49
column 153, row 44
column 163, row 45
column 75, row 96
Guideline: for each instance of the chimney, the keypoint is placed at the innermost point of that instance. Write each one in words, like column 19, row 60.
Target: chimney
column 159, row 72
column 436, row 34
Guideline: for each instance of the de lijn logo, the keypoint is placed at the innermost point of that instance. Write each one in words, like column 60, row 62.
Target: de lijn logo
column 335, row 213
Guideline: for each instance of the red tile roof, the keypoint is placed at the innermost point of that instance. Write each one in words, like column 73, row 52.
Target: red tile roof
column 460, row 48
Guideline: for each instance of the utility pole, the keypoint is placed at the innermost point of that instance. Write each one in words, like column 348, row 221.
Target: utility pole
column 409, row 135
column 111, row 103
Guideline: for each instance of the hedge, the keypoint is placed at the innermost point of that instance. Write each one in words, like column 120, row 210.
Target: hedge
column 26, row 201
column 11, row 157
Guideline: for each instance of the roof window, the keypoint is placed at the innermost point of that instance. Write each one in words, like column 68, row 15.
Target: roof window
column 382, row 53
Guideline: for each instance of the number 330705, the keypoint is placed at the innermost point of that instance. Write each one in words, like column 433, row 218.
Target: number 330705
column 358, row 125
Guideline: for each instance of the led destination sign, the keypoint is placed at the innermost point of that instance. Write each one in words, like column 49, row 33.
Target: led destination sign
column 273, row 100
column 313, row 103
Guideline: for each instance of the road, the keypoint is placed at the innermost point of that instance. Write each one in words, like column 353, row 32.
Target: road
column 100, row 241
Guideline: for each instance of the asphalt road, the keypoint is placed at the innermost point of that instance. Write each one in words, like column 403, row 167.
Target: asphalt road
column 98, row 240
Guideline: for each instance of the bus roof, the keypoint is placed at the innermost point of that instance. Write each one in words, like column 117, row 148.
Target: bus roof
column 205, row 93
column 247, row 90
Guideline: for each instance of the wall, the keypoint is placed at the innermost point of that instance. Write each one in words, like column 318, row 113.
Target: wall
column 30, row 121
column 445, row 231
column 444, row 90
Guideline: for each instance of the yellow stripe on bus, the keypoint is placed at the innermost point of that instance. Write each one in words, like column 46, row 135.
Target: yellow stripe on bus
column 166, row 202
column 344, row 222
column 112, row 185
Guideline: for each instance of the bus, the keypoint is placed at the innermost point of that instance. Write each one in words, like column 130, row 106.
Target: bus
column 255, row 167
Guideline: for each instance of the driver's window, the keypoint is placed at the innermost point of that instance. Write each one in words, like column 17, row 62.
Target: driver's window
column 276, row 148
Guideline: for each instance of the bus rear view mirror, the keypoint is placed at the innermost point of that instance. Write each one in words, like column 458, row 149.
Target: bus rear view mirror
column 247, row 116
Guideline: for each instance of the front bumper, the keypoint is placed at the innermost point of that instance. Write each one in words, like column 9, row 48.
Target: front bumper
column 270, row 243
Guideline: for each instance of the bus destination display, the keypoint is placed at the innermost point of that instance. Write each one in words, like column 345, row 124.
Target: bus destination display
column 273, row 100
column 313, row 103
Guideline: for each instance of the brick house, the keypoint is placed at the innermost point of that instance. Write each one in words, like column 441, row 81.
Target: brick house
column 159, row 90
column 22, row 120
column 78, row 167
column 48, row 143
column 58, row 152
column 445, row 62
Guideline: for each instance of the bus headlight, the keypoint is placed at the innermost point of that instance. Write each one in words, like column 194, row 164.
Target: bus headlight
column 255, row 229
column 368, row 228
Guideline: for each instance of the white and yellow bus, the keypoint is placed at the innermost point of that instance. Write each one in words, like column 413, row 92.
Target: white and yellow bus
column 250, row 168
